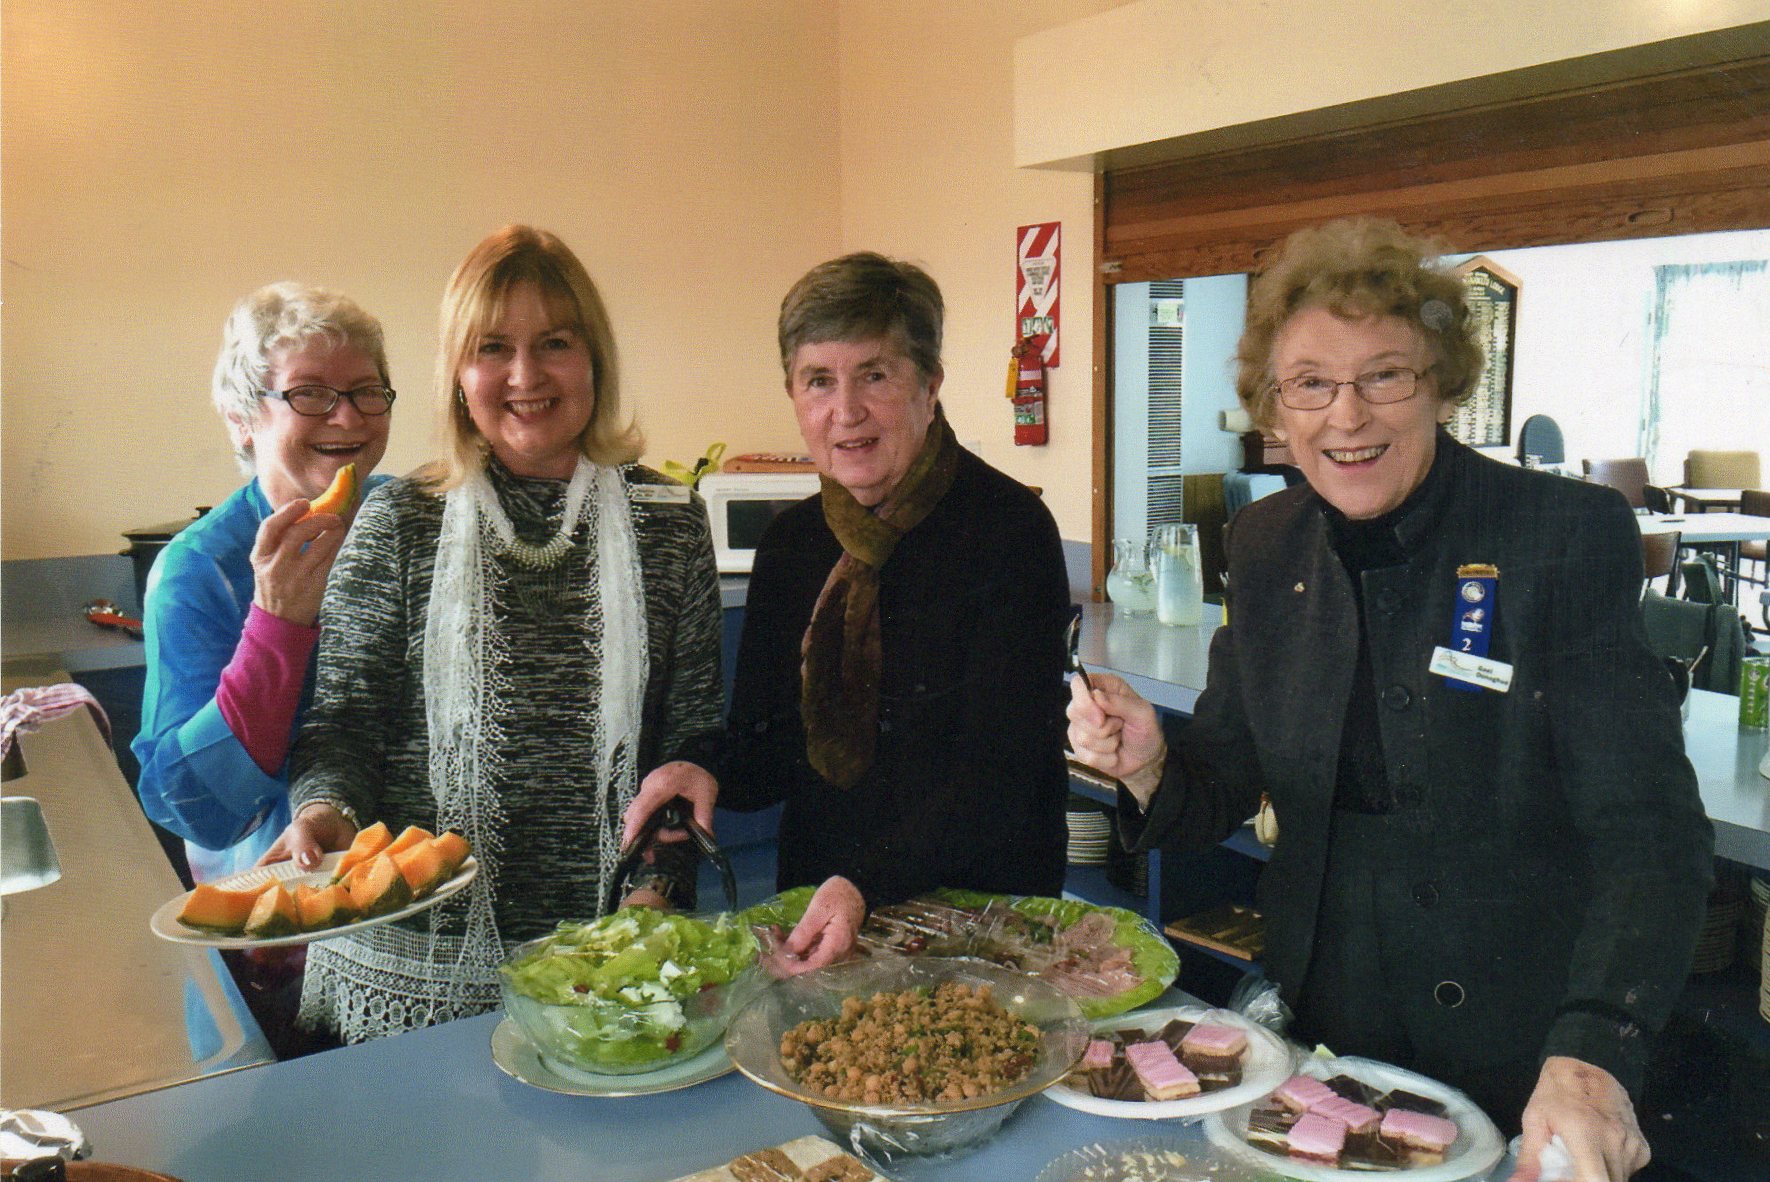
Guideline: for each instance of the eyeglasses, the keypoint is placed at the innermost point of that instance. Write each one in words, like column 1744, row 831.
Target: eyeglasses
column 315, row 401
column 1378, row 387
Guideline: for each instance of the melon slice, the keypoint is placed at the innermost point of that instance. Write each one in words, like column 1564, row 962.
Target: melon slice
column 273, row 915
column 323, row 907
column 212, row 909
column 454, row 850
column 423, row 867
column 410, row 836
column 367, row 844
column 379, row 888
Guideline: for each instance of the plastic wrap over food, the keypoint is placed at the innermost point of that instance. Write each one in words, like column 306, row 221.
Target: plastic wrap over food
column 631, row 992
column 1107, row 958
column 1257, row 999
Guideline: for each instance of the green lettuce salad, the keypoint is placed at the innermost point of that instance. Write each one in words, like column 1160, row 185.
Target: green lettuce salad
column 629, row 990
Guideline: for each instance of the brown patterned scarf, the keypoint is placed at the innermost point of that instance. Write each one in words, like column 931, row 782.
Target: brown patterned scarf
column 839, row 682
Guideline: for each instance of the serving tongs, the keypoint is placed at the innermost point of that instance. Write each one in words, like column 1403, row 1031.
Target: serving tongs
column 106, row 614
column 675, row 814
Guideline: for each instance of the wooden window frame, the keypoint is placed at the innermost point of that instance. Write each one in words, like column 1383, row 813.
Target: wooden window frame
column 1683, row 152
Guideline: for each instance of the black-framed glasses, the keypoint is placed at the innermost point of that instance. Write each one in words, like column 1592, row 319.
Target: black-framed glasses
column 1378, row 387
column 315, row 401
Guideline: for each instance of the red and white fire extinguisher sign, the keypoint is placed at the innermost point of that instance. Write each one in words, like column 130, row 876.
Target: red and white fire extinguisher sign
column 1036, row 288
column 1026, row 387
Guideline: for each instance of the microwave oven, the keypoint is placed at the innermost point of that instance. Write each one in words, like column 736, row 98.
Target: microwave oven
column 740, row 506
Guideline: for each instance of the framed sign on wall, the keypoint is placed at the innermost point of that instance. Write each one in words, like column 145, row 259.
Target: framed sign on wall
column 1485, row 420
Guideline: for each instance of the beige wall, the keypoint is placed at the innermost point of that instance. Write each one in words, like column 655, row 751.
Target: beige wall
column 928, row 174
column 161, row 160
column 1086, row 87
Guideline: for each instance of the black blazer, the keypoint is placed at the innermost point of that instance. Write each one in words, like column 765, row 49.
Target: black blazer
column 1557, row 856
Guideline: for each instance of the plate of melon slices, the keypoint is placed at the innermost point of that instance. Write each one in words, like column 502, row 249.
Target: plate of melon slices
column 379, row 879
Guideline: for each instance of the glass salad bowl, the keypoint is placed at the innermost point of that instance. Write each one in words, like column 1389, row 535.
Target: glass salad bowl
column 632, row 992
column 935, row 1127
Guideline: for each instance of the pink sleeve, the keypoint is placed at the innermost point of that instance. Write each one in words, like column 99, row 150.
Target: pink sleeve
column 260, row 689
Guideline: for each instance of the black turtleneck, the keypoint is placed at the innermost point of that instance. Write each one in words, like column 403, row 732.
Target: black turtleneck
column 1362, row 783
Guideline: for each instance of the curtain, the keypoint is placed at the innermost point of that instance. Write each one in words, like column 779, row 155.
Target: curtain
column 1709, row 381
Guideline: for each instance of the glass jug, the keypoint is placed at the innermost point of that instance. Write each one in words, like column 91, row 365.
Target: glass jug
column 1131, row 583
column 1179, row 575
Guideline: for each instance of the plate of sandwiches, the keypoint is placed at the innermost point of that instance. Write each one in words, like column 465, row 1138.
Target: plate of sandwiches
column 1347, row 1118
column 808, row 1159
column 1174, row 1061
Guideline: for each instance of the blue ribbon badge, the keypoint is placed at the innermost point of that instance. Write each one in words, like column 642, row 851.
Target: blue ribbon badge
column 1471, row 629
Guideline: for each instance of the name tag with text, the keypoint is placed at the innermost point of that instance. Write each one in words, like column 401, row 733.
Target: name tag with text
column 1470, row 669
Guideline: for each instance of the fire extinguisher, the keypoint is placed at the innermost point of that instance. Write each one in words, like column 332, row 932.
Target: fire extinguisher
column 1026, row 388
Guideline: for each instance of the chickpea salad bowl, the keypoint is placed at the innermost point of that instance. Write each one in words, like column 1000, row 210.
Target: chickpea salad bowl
column 909, row 1056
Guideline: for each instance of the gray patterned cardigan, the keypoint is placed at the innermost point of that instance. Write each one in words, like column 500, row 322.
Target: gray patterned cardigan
column 364, row 744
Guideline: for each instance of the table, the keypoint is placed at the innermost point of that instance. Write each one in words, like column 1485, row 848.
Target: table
column 96, row 1006
column 1717, row 531
column 1701, row 500
column 1167, row 666
column 431, row 1104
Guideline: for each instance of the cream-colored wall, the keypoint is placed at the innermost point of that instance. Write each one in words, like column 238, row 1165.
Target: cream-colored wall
column 1087, row 87
column 161, row 160
column 928, row 174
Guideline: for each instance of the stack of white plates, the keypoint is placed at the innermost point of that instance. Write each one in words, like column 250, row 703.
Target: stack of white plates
column 1720, row 932
column 1090, row 832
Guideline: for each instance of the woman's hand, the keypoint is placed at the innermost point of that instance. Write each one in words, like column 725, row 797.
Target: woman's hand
column 664, row 784
column 1594, row 1118
column 1115, row 732
column 825, row 934
column 316, row 830
column 291, row 558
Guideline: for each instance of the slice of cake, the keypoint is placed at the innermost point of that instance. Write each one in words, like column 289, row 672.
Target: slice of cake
column 1269, row 1129
column 1359, row 1092
column 1209, row 1047
column 1098, row 1055
column 1425, row 1137
column 1316, row 1138
column 1356, row 1117
column 1300, row 1093
column 1163, row 1076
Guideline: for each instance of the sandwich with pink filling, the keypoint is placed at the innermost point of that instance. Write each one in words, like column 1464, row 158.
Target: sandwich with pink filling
column 1208, row 1047
column 1316, row 1138
column 1162, row 1075
column 1424, row 1136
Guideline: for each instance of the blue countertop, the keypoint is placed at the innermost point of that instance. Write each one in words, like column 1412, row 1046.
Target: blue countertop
column 432, row 1104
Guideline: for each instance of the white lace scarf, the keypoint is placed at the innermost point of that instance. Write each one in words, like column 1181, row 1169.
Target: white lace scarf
column 463, row 650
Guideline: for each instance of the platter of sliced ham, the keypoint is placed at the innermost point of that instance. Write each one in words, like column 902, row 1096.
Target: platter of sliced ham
column 1336, row 1120
column 1107, row 958
column 1174, row 1061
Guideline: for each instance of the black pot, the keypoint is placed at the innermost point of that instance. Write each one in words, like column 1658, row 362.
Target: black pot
column 145, row 545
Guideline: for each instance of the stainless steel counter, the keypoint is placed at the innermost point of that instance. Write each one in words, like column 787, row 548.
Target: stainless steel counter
column 92, row 1005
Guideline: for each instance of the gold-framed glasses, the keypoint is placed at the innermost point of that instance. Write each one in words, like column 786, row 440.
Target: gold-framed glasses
column 1378, row 387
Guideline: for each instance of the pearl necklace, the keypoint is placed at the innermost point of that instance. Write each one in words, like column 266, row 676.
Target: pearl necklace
column 552, row 552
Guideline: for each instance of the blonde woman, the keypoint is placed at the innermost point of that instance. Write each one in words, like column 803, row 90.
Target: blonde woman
column 513, row 642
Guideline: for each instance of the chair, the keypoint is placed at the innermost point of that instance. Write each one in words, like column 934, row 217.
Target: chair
column 1721, row 469
column 1756, row 502
column 1679, row 629
column 1628, row 477
column 1243, row 488
column 1659, row 556
column 1539, row 443
column 1659, row 500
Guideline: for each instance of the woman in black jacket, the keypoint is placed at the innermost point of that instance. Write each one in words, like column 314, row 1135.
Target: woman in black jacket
column 1492, row 860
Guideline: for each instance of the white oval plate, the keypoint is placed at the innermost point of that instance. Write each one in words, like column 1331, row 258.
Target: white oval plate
column 517, row 1058
column 1267, row 1064
column 1477, row 1147
column 166, row 926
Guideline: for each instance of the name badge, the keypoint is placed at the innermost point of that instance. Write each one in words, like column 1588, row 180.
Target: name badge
column 1467, row 671
column 1471, row 627
column 658, row 494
